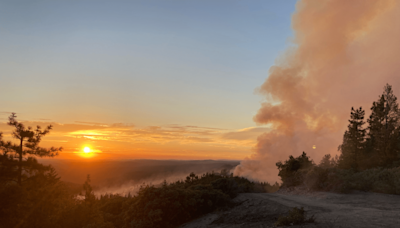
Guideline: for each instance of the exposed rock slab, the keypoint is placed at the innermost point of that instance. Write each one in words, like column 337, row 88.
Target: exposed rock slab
column 261, row 210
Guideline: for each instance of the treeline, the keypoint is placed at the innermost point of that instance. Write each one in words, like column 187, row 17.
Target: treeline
column 32, row 195
column 369, row 154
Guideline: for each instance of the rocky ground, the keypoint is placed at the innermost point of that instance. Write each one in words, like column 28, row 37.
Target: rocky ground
column 261, row 210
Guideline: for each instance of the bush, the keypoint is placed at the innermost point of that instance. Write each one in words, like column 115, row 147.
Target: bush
column 296, row 217
column 227, row 186
column 171, row 205
column 380, row 180
column 292, row 171
column 317, row 178
column 265, row 187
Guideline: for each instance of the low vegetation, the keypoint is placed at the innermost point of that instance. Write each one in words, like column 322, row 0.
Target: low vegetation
column 295, row 216
column 173, row 204
column 167, row 205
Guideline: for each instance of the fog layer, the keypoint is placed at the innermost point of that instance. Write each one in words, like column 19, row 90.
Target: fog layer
column 126, row 176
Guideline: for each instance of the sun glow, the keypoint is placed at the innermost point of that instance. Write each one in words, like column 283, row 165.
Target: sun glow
column 86, row 150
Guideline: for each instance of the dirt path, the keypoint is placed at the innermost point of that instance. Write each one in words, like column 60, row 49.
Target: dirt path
column 330, row 210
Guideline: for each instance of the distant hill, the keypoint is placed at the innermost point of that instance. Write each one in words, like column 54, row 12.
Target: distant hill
column 117, row 173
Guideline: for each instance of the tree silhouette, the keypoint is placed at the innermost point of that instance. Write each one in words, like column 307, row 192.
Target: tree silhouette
column 353, row 139
column 89, row 195
column 31, row 194
column 383, row 128
column 18, row 158
column 289, row 168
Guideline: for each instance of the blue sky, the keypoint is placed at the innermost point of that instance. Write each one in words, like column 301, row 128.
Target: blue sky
column 140, row 62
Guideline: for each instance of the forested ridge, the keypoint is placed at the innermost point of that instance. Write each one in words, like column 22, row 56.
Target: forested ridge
column 369, row 157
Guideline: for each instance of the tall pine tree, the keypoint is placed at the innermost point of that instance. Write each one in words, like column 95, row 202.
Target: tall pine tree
column 31, row 194
column 383, row 130
column 18, row 159
column 353, row 140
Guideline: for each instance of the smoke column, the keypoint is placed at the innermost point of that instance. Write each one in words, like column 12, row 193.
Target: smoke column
column 343, row 54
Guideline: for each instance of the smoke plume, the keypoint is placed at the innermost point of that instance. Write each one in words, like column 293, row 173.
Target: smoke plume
column 343, row 54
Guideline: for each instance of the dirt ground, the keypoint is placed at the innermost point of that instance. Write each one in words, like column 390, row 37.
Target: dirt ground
column 261, row 210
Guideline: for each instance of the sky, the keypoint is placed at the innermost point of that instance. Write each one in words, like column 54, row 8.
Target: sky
column 142, row 79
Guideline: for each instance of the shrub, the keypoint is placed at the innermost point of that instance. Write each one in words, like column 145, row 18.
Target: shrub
column 292, row 170
column 171, row 205
column 265, row 187
column 295, row 216
column 227, row 186
column 381, row 180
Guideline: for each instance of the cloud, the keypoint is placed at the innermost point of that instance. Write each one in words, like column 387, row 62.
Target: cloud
column 128, row 141
column 91, row 123
column 343, row 54
column 250, row 133
column 197, row 139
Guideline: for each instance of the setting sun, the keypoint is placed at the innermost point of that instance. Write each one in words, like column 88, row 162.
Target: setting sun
column 88, row 152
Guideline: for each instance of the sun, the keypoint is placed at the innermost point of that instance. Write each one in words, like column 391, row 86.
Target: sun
column 87, row 152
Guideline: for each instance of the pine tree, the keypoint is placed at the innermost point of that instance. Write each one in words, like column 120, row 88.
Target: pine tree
column 353, row 139
column 27, row 187
column 328, row 161
column 89, row 195
column 18, row 159
column 383, row 131
column 7, row 163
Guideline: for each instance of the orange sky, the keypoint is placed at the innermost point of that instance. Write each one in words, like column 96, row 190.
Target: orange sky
column 124, row 141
